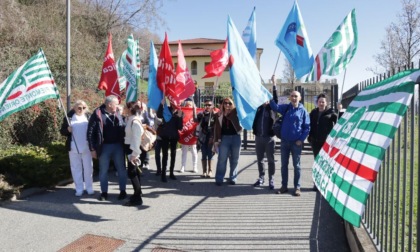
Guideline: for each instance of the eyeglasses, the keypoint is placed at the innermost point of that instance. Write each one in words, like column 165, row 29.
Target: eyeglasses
column 227, row 103
column 81, row 108
column 208, row 105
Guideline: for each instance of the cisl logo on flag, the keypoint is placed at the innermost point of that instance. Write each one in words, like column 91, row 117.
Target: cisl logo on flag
column 347, row 165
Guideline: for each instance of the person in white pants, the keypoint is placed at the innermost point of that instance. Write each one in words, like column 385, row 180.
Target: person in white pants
column 79, row 154
column 192, row 148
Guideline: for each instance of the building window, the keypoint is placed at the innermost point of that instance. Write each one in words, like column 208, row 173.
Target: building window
column 194, row 67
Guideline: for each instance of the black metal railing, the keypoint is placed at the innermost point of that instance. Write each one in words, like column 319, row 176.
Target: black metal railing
column 391, row 215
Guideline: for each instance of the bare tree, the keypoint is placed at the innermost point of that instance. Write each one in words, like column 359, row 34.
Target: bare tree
column 401, row 44
column 289, row 72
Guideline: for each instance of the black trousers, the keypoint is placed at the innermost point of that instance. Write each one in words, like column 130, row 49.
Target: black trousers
column 166, row 144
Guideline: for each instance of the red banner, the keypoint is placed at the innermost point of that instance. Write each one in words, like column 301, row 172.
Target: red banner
column 187, row 134
column 185, row 84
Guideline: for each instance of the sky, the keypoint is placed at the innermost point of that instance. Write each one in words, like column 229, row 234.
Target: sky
column 188, row 19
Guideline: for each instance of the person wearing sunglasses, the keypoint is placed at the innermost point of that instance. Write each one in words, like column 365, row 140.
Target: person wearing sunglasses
column 81, row 165
column 205, row 137
column 227, row 141
column 295, row 129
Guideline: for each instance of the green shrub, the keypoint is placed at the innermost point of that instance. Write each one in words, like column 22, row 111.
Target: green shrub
column 33, row 166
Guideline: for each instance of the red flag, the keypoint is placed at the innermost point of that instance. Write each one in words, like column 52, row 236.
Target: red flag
column 165, row 75
column 186, row 135
column 219, row 61
column 184, row 81
column 109, row 76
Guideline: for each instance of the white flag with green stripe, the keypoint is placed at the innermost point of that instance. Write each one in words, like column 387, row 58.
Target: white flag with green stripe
column 338, row 51
column 29, row 84
column 347, row 165
column 130, row 69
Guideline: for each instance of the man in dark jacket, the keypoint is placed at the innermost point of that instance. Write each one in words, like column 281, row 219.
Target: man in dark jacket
column 105, row 136
column 262, row 128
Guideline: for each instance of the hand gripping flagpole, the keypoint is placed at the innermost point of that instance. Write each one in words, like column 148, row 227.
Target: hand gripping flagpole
column 212, row 98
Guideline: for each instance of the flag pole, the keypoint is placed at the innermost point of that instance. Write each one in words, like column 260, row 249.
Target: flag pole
column 212, row 99
column 68, row 121
column 278, row 57
column 342, row 85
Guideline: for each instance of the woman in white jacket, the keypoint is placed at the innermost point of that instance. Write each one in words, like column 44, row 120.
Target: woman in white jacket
column 133, row 132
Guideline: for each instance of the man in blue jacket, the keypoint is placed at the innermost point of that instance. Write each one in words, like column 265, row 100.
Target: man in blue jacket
column 295, row 129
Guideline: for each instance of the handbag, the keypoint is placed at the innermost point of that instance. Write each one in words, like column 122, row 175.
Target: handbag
column 278, row 124
column 148, row 139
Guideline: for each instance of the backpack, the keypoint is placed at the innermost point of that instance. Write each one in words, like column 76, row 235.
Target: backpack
column 278, row 124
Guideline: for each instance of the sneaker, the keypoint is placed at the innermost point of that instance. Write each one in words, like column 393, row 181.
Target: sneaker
column 271, row 184
column 232, row 182
column 297, row 192
column 78, row 194
column 282, row 190
column 204, row 175
column 182, row 170
column 146, row 166
column 209, row 174
column 195, row 170
column 122, row 195
column 103, row 196
column 259, row 183
column 172, row 177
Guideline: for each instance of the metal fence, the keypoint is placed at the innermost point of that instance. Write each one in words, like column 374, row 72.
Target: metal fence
column 391, row 215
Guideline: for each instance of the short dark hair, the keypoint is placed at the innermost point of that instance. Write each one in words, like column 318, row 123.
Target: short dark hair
column 208, row 100
column 321, row 96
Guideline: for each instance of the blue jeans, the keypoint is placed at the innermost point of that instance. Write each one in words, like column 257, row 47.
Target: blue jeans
column 230, row 147
column 286, row 148
column 116, row 153
column 265, row 145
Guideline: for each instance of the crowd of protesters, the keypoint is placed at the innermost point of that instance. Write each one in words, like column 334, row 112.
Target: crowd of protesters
column 115, row 133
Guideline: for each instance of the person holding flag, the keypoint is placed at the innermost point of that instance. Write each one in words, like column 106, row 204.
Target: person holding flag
column 74, row 128
column 168, row 132
column 295, row 129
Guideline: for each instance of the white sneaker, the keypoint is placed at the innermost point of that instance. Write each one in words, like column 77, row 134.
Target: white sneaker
column 182, row 170
column 195, row 170
column 146, row 167
column 78, row 194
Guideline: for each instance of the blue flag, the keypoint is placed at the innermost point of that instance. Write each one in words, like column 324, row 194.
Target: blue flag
column 154, row 94
column 249, row 35
column 294, row 43
column 248, row 92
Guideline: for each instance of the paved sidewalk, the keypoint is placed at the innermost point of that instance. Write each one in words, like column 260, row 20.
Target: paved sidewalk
column 190, row 214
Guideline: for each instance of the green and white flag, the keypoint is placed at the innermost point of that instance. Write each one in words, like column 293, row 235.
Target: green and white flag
column 130, row 69
column 347, row 165
column 338, row 51
column 30, row 84
column 120, row 70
